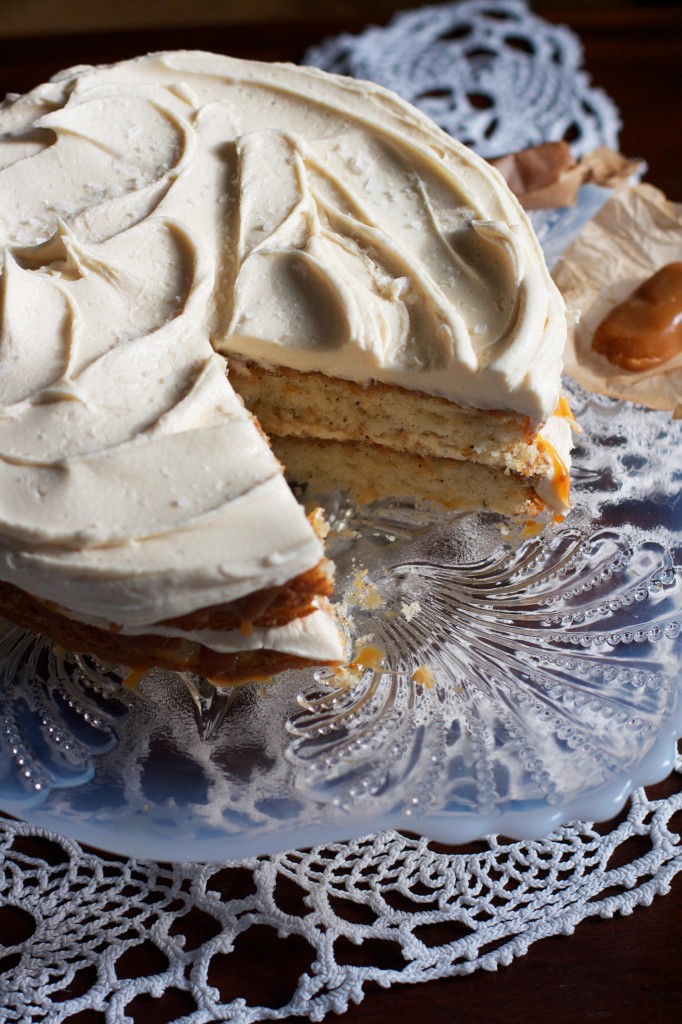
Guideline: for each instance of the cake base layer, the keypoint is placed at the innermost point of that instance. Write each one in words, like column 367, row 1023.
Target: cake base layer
column 178, row 653
column 371, row 473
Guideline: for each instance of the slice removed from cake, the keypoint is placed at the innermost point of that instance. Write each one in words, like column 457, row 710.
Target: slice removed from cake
column 389, row 317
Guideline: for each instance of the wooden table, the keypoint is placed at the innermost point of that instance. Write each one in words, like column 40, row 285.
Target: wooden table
column 634, row 53
column 622, row 970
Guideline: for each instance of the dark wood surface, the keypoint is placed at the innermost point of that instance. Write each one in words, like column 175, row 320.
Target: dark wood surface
column 625, row 970
column 633, row 52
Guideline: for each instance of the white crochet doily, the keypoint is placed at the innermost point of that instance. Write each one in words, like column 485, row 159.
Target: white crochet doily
column 500, row 78
column 83, row 918
column 492, row 74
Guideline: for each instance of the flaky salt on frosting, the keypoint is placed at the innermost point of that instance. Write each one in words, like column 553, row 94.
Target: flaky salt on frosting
column 164, row 208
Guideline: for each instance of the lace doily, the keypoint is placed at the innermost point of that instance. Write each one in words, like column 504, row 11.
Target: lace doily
column 80, row 918
column 496, row 76
column 492, row 74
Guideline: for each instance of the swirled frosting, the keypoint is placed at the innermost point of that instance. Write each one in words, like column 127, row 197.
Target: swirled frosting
column 161, row 211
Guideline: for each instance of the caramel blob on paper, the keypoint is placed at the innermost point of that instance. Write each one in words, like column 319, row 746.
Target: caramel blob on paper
column 645, row 331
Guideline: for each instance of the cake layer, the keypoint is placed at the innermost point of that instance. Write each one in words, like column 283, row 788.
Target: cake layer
column 268, row 608
column 329, row 225
column 372, row 246
column 287, row 403
column 371, row 473
column 227, row 656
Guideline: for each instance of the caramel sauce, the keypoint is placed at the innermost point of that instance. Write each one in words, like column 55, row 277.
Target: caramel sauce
column 532, row 528
column 424, row 676
column 222, row 682
column 562, row 478
column 564, row 410
column 369, row 656
column 134, row 678
column 645, row 331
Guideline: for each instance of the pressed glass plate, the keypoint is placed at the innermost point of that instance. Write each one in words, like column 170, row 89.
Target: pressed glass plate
column 515, row 683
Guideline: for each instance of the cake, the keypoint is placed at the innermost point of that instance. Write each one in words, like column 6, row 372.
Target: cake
column 212, row 267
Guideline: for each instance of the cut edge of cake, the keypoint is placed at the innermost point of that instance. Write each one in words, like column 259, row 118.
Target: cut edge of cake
column 382, row 441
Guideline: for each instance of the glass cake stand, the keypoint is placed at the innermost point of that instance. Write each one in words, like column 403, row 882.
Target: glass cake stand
column 518, row 683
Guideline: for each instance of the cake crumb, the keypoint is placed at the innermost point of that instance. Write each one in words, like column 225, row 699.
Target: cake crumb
column 343, row 530
column 367, row 656
column 410, row 611
column 344, row 677
column 363, row 641
column 319, row 523
column 363, row 593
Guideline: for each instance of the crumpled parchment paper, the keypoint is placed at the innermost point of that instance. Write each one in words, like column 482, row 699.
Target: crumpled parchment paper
column 636, row 233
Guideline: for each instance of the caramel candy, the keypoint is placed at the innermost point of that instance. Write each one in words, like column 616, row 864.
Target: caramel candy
column 645, row 331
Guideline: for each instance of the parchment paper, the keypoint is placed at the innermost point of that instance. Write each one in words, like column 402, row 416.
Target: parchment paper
column 547, row 176
column 636, row 233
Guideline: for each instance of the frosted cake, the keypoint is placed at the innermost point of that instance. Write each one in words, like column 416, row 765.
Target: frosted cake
column 211, row 265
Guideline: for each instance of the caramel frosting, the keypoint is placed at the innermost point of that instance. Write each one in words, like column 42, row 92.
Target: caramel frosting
column 314, row 636
column 161, row 213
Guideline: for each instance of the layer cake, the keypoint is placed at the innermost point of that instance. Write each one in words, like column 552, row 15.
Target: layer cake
column 188, row 237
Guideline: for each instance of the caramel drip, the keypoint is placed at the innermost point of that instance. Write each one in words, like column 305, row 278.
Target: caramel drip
column 564, row 410
column 645, row 331
column 369, row 656
column 562, row 478
column 222, row 683
column 134, row 678
column 532, row 528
